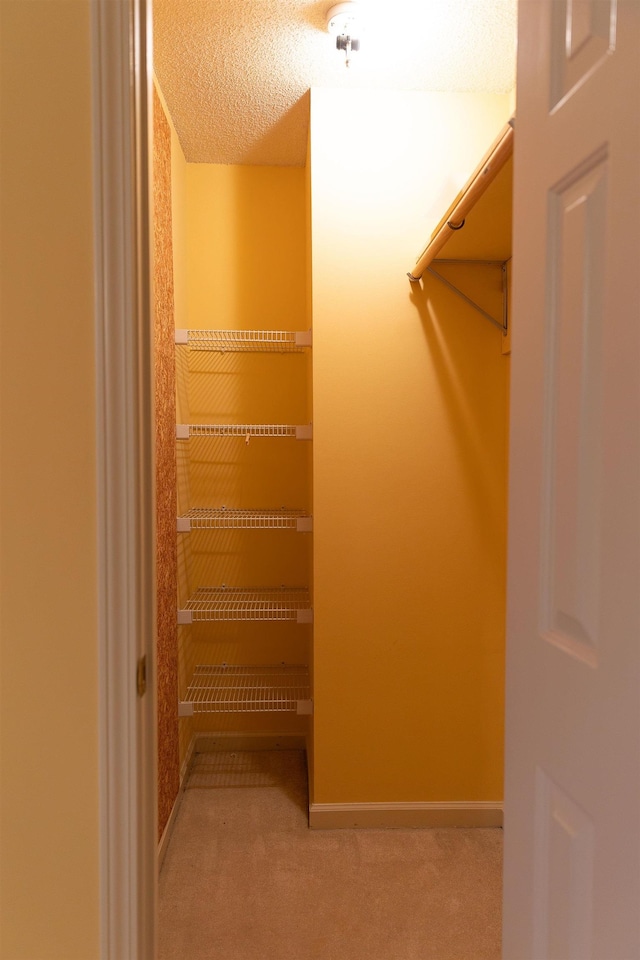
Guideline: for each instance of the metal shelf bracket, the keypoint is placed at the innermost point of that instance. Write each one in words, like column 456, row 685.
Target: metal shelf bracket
column 503, row 323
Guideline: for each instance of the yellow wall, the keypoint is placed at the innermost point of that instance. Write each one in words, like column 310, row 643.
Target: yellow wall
column 50, row 840
column 246, row 262
column 246, row 247
column 179, row 224
column 309, row 324
column 410, row 392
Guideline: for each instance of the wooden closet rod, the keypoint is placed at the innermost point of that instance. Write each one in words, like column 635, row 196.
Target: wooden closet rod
column 488, row 169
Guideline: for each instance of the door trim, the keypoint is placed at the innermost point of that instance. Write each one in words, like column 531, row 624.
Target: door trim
column 120, row 52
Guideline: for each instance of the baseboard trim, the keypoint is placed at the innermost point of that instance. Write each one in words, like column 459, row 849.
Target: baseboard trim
column 168, row 830
column 335, row 816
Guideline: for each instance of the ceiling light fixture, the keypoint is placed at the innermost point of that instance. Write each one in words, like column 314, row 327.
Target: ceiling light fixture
column 345, row 24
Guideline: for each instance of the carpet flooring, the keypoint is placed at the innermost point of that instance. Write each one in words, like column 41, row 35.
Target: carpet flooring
column 245, row 879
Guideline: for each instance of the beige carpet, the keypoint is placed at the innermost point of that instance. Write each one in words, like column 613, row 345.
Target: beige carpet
column 245, row 879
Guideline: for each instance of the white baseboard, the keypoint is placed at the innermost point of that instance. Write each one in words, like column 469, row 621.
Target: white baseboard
column 333, row 816
column 168, row 830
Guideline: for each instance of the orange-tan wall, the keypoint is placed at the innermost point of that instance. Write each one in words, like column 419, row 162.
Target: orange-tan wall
column 245, row 269
column 179, row 227
column 164, row 369
column 49, row 695
column 180, row 321
column 410, row 394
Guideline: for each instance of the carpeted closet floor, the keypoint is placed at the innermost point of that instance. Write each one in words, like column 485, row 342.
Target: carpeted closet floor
column 245, row 879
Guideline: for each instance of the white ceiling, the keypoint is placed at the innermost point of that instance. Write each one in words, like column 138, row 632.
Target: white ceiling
column 236, row 73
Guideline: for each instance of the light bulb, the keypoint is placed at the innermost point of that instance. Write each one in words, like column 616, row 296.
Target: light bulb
column 344, row 23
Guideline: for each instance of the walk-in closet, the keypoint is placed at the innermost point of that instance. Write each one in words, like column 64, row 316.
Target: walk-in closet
column 339, row 435
column 340, row 440
column 256, row 420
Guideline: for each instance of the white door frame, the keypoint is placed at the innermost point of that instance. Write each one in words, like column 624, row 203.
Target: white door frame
column 121, row 62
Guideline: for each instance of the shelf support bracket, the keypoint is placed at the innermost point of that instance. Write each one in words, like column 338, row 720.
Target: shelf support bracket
column 503, row 323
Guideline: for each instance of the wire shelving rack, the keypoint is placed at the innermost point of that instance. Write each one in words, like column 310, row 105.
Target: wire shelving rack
column 245, row 341
column 222, row 518
column 244, row 430
column 225, row 604
column 248, row 688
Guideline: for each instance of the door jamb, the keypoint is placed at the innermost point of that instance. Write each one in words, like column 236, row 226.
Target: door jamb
column 121, row 66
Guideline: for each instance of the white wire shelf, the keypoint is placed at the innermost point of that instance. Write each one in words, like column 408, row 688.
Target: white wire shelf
column 243, row 430
column 251, row 688
column 216, row 604
column 245, row 341
column 220, row 518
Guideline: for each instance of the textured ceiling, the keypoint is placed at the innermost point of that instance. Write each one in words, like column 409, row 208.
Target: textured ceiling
column 236, row 73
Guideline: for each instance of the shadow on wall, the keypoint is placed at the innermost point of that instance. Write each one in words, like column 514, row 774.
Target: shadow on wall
column 473, row 380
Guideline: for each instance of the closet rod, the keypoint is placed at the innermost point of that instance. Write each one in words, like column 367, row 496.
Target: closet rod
column 490, row 166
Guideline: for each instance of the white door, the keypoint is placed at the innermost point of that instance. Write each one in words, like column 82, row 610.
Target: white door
column 572, row 799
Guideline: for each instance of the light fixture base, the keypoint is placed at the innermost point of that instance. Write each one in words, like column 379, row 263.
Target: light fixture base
column 343, row 19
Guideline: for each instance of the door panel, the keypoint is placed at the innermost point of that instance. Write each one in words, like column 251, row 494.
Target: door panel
column 572, row 799
column 563, row 874
column 583, row 32
column 573, row 431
